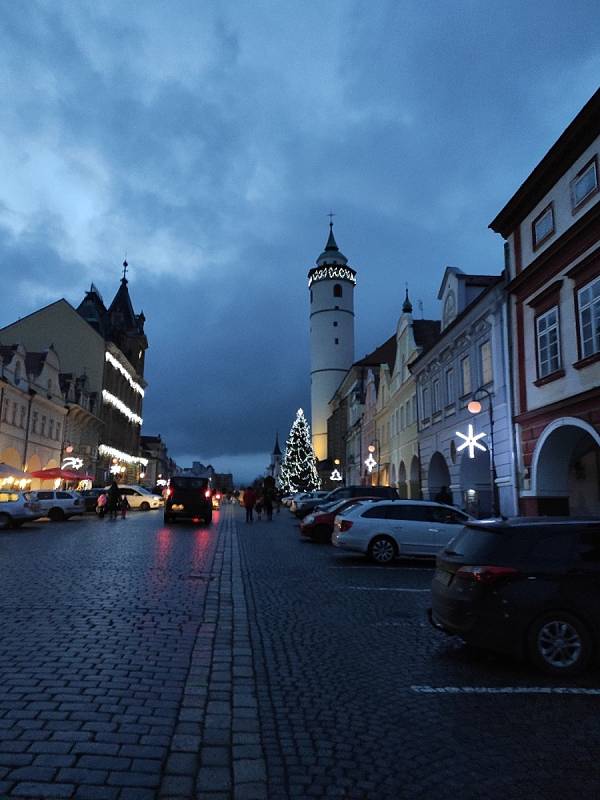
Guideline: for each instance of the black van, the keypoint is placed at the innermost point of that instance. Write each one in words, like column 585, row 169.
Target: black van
column 188, row 498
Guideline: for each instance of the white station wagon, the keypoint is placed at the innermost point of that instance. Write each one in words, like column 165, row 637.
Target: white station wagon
column 389, row 529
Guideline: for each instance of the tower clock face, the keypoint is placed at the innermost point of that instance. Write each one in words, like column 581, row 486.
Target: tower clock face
column 449, row 308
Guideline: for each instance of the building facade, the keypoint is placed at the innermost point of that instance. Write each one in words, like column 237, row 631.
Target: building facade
column 467, row 451
column 331, row 285
column 107, row 346
column 551, row 228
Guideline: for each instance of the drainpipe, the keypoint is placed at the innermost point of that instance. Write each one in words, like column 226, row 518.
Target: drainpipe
column 507, row 350
column 1, row 404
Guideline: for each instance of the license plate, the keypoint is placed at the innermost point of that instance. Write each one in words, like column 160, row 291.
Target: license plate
column 177, row 507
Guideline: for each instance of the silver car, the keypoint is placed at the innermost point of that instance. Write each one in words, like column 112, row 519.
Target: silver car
column 17, row 508
column 58, row 504
column 388, row 529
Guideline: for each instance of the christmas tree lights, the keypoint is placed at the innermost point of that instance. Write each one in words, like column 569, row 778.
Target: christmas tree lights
column 299, row 466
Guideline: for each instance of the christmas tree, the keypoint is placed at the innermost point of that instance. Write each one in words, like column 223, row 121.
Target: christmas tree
column 299, row 466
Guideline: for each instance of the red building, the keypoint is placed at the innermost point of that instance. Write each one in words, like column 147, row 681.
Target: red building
column 552, row 230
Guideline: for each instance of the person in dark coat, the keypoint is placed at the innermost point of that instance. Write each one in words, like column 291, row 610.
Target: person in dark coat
column 444, row 496
column 113, row 500
column 249, row 502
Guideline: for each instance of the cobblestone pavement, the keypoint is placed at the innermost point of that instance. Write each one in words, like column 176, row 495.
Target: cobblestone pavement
column 238, row 661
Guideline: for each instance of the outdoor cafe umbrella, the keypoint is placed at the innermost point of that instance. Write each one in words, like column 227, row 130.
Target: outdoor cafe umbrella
column 6, row 471
column 53, row 473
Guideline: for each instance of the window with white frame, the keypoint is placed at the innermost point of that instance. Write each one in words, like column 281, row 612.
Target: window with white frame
column 402, row 418
column 548, row 342
column 485, row 360
column 425, row 401
column 465, row 372
column 584, row 184
column 413, row 409
column 543, row 226
column 449, row 386
column 436, row 396
column 588, row 300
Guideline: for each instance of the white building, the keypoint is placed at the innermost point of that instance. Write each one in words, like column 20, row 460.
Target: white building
column 331, row 283
column 469, row 361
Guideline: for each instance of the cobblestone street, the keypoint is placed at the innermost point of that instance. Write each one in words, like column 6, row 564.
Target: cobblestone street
column 140, row 661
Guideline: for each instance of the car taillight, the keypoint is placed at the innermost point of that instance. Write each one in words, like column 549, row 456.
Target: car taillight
column 218, row 496
column 486, row 574
column 344, row 525
column 171, row 491
column 207, row 493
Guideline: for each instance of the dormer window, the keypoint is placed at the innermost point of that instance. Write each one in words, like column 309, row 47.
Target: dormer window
column 584, row 184
column 49, row 387
column 337, row 290
column 542, row 226
column 18, row 373
column 449, row 308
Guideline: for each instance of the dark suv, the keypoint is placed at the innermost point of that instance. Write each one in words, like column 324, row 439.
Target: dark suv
column 188, row 498
column 344, row 493
column 528, row 586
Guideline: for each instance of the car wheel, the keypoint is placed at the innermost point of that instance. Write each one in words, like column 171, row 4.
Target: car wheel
column 559, row 643
column 4, row 522
column 383, row 550
column 56, row 515
column 144, row 506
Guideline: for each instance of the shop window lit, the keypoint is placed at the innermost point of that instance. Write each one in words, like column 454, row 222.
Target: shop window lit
column 589, row 318
column 548, row 343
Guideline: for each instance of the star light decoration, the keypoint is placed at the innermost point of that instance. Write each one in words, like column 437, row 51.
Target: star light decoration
column 370, row 463
column 471, row 441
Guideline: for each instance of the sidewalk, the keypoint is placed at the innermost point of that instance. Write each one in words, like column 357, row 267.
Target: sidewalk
column 216, row 751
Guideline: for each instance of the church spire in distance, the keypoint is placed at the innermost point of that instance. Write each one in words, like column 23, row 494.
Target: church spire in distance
column 406, row 305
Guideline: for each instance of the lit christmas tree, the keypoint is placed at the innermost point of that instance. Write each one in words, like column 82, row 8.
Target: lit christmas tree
column 299, row 466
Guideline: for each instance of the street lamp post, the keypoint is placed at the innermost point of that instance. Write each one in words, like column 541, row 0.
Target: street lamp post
column 474, row 407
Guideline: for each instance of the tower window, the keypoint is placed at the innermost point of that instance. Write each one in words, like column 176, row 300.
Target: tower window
column 337, row 341
column 335, row 324
column 337, row 290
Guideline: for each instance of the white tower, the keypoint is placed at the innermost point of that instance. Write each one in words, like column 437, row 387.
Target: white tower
column 331, row 283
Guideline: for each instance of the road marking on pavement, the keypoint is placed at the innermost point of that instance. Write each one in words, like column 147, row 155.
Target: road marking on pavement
column 384, row 589
column 503, row 690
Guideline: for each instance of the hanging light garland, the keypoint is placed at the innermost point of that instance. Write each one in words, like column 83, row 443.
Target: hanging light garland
column 120, row 368
column 112, row 452
column 112, row 400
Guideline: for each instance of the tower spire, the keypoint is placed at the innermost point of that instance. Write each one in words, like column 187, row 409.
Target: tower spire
column 125, row 265
column 407, row 305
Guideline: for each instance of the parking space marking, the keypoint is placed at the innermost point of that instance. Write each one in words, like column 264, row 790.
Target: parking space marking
column 504, row 690
column 384, row 589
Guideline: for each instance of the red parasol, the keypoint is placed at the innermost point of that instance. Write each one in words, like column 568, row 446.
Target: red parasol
column 66, row 474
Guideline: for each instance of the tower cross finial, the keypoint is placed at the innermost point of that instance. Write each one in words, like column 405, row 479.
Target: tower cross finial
column 125, row 265
column 331, row 215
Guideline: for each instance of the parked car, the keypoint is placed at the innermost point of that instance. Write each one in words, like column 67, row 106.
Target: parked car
column 318, row 526
column 188, row 498
column 90, row 498
column 17, row 508
column 58, row 504
column 387, row 529
column 304, row 497
column 216, row 500
column 527, row 586
column 139, row 497
column 343, row 493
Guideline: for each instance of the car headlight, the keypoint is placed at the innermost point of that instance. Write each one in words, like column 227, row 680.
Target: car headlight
column 309, row 520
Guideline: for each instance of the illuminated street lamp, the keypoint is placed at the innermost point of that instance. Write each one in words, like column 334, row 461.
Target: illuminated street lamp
column 474, row 407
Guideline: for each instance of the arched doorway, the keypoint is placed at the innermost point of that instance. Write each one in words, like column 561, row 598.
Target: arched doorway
column 566, row 469
column 438, row 474
column 415, row 479
column 402, row 488
column 476, row 484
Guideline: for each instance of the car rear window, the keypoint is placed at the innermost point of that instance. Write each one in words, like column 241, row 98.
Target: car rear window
column 482, row 545
column 189, row 483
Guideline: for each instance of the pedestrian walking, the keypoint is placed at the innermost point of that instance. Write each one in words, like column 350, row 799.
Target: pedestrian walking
column 124, row 506
column 268, row 505
column 259, row 508
column 249, row 501
column 113, row 498
column 101, row 505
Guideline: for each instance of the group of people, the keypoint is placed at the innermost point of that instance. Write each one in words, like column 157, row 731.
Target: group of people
column 113, row 502
column 260, row 502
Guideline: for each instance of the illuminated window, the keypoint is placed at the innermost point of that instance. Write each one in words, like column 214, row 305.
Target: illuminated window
column 548, row 342
column 589, row 318
column 337, row 290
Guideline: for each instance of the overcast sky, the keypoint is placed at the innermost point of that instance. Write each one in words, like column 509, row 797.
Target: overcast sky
column 208, row 141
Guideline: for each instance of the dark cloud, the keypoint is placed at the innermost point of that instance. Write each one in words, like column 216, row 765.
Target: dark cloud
column 208, row 142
